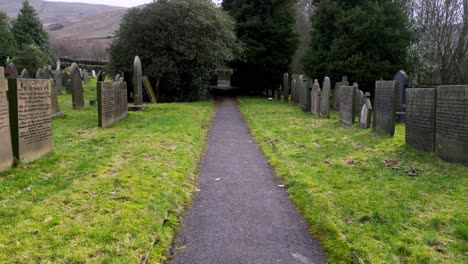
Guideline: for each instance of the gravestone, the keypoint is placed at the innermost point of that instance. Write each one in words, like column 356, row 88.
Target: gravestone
column 366, row 112
column 223, row 77
column 402, row 79
column 359, row 101
column 307, row 86
column 385, row 99
column 137, row 86
column 66, row 82
column 6, row 151
column 325, row 98
column 39, row 74
column 58, row 65
column 30, row 118
column 85, row 77
column 93, row 72
column 24, row 74
column 46, row 72
column 117, row 77
column 293, row 91
column 58, row 81
column 112, row 102
column 347, row 94
column 11, row 71
column 420, row 118
column 452, row 123
column 315, row 98
column 300, row 90
column 76, row 88
column 278, row 93
column 149, row 89
column 286, row 87
column 344, row 82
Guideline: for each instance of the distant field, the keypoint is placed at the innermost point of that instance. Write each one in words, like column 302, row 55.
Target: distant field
column 367, row 197
column 104, row 196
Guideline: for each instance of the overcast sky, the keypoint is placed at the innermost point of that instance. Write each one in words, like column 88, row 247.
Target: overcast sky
column 127, row 3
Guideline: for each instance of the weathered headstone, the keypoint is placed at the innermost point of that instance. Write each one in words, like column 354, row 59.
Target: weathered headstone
column 293, row 91
column 366, row 112
column 46, row 72
column 58, row 65
column 307, row 86
column 66, row 82
column 149, row 89
column 76, row 88
column 85, row 77
column 300, row 90
column 315, row 98
column 6, row 151
column 223, row 77
column 402, row 79
column 325, row 98
column 359, row 101
column 347, row 94
column 420, row 118
column 452, row 123
column 286, row 87
column 112, row 102
column 137, row 86
column 58, row 81
column 24, row 74
column 117, row 77
column 385, row 99
column 344, row 82
column 11, row 71
column 30, row 118
column 279, row 93
column 93, row 72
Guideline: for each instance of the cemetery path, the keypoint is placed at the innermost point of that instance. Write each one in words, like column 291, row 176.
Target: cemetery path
column 240, row 214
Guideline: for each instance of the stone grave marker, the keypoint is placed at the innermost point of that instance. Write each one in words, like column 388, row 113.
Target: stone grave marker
column 58, row 65
column 315, row 98
column 452, row 123
column 325, row 98
column 76, row 88
column 112, row 102
column 86, row 77
column 30, row 118
column 149, row 89
column 420, row 118
column 66, row 82
column 359, row 101
column 11, row 71
column 307, row 86
column 58, row 81
column 385, row 99
column 366, row 112
column 286, row 87
column 293, row 91
column 47, row 72
column 300, row 90
column 344, row 82
column 402, row 79
column 93, row 72
column 6, row 151
column 117, row 77
column 24, row 74
column 137, row 82
column 347, row 94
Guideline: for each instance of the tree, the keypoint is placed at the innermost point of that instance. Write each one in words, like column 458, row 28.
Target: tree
column 179, row 42
column 7, row 41
column 442, row 46
column 304, row 10
column 28, row 30
column 363, row 39
column 268, row 30
column 30, row 57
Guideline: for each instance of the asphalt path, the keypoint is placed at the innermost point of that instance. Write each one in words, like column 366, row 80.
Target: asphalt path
column 241, row 213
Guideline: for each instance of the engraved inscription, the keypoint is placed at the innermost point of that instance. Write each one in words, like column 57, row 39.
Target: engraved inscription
column 385, row 107
column 347, row 94
column 420, row 118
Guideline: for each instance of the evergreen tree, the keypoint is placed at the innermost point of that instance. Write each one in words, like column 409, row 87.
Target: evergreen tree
column 7, row 41
column 30, row 57
column 267, row 28
column 27, row 29
column 363, row 39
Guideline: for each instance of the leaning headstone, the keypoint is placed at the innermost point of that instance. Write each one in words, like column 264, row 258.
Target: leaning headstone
column 137, row 86
column 420, row 118
column 347, row 94
column 24, row 74
column 76, row 88
column 385, row 99
column 315, row 98
column 30, row 118
column 149, row 89
column 11, row 71
column 325, row 98
column 366, row 112
column 452, row 123
column 6, row 151
column 344, row 82
column 359, row 101
column 286, row 87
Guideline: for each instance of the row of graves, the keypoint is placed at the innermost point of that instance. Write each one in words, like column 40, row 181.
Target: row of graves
column 436, row 119
column 27, row 108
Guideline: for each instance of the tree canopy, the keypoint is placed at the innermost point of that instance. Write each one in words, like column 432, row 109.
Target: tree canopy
column 363, row 39
column 30, row 57
column 179, row 42
column 7, row 40
column 268, row 30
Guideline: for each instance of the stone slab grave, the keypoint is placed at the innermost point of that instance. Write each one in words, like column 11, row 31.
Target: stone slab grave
column 336, row 99
column 359, row 101
column 58, row 81
column 315, row 98
column 149, row 89
column 347, row 94
column 325, row 98
column 6, row 151
column 11, row 71
column 76, row 84
column 293, row 91
column 86, row 77
column 385, row 103
column 403, row 81
column 112, row 102
column 137, row 86
column 24, row 74
column 420, row 118
column 286, row 87
column 451, row 128
column 30, row 118
column 307, row 87
column 365, row 116
column 300, row 90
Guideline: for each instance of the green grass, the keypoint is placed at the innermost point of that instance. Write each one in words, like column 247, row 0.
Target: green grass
column 366, row 196
column 104, row 196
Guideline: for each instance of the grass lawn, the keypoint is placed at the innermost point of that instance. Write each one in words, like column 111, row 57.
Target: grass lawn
column 366, row 196
column 104, row 196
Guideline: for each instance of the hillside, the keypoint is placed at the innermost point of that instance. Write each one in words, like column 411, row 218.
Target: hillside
column 56, row 12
